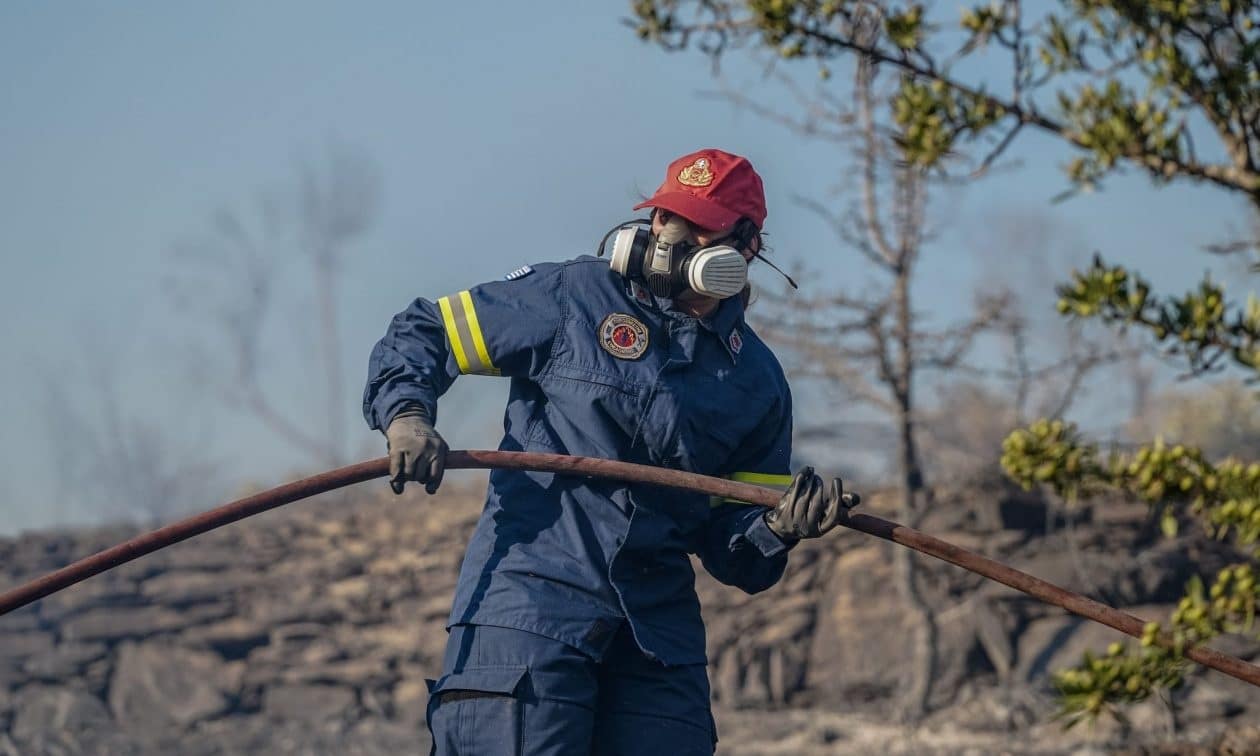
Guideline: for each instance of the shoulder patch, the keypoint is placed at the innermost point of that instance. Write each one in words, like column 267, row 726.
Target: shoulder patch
column 519, row 273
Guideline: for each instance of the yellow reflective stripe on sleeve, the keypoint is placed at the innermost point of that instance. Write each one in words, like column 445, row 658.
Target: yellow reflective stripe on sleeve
column 760, row 479
column 460, row 319
column 479, row 343
column 452, row 333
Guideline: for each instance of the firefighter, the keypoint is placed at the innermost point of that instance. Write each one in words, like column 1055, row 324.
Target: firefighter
column 575, row 626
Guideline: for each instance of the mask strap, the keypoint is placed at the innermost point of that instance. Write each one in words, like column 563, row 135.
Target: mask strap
column 604, row 242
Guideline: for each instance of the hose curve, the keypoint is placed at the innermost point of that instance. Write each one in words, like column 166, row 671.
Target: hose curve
column 614, row 470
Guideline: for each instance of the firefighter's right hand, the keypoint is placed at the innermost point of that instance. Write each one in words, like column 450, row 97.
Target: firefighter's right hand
column 810, row 507
column 416, row 450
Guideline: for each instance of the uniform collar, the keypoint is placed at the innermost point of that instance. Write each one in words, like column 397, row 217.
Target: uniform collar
column 726, row 323
column 639, row 293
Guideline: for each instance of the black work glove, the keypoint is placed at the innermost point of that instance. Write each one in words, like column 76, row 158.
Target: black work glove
column 810, row 507
column 416, row 451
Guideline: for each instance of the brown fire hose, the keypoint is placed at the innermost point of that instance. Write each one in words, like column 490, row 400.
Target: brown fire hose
column 603, row 468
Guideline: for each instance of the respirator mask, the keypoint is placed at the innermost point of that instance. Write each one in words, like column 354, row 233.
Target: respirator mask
column 669, row 265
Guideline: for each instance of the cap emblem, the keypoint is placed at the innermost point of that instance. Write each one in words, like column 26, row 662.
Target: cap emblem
column 696, row 174
column 623, row 336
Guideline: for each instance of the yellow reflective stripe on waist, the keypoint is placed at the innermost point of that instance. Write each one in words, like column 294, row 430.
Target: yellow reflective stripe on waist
column 760, row 479
column 464, row 332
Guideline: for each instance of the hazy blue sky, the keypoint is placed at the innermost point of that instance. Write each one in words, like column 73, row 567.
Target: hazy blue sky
column 505, row 133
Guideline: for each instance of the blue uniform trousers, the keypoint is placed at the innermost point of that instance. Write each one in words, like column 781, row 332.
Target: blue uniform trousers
column 513, row 693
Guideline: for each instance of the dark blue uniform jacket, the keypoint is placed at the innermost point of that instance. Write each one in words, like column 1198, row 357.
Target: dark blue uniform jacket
column 601, row 368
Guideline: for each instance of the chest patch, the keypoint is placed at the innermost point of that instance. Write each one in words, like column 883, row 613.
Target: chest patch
column 623, row 336
column 736, row 342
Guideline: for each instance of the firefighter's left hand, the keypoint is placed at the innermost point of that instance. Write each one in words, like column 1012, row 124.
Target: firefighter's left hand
column 810, row 507
column 416, row 450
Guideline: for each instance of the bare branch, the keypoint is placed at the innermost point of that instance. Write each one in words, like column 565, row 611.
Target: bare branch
column 840, row 228
column 231, row 274
column 869, row 156
column 951, row 345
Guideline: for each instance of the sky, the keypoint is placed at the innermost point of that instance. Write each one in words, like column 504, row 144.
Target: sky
column 501, row 137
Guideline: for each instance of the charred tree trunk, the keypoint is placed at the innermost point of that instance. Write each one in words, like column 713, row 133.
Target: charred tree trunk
column 915, row 703
column 325, row 286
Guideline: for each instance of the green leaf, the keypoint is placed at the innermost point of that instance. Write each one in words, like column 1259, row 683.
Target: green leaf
column 1168, row 523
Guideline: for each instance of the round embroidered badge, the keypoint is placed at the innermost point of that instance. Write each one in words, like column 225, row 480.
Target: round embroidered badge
column 623, row 336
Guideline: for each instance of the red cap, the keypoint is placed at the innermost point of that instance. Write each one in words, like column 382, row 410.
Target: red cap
column 711, row 188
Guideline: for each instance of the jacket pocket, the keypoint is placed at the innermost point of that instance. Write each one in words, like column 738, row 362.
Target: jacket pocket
column 477, row 711
column 596, row 377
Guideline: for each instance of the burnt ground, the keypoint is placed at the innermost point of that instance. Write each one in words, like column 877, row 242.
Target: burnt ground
column 311, row 630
